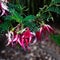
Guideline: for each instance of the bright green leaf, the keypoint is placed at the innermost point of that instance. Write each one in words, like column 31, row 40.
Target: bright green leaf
column 54, row 9
column 56, row 38
column 29, row 18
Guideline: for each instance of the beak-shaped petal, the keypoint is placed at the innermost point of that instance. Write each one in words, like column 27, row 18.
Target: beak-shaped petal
column 3, row 8
column 46, row 28
column 51, row 29
column 3, row 12
column 10, row 37
column 38, row 35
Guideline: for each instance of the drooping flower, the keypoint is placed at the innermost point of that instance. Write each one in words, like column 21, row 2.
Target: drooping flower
column 49, row 28
column 45, row 31
column 23, row 39
column 27, row 37
column 3, row 8
column 10, row 37
column 38, row 35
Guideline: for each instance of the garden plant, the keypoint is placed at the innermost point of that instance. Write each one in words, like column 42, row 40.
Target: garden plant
column 24, row 24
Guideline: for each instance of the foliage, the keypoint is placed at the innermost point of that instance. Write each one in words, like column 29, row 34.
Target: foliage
column 56, row 38
column 4, row 26
column 14, row 15
column 56, row 1
column 55, row 9
column 45, row 12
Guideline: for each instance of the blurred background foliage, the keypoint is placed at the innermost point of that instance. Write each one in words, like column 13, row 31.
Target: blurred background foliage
column 34, row 5
column 56, row 39
column 43, row 9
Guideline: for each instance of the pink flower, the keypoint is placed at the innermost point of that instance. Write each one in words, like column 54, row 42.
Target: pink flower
column 38, row 35
column 23, row 39
column 27, row 37
column 3, row 8
column 18, row 40
column 48, row 28
column 45, row 31
column 10, row 37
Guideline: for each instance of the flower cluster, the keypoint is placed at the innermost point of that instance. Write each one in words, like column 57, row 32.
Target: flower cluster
column 23, row 39
column 45, row 30
column 3, row 7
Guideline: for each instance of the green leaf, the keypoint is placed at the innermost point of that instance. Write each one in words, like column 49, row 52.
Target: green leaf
column 45, row 16
column 5, row 26
column 18, row 7
column 56, row 38
column 8, row 17
column 29, row 18
column 16, row 16
column 54, row 9
column 56, row 1
column 33, row 26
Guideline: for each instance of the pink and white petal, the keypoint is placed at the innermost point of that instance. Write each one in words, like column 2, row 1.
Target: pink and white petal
column 51, row 29
column 9, row 42
column 3, row 12
column 35, row 40
column 21, row 43
column 47, row 29
column 41, row 29
column 4, row 6
column 38, row 36
column 27, row 42
column 16, row 38
column 30, row 39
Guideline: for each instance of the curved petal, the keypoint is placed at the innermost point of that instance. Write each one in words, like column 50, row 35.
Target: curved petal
column 47, row 29
column 51, row 29
column 3, row 12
